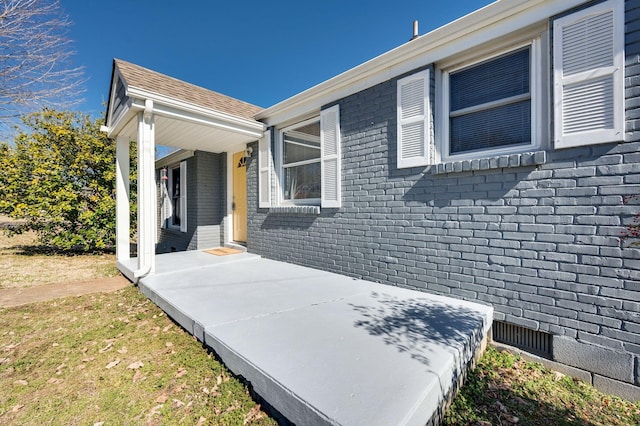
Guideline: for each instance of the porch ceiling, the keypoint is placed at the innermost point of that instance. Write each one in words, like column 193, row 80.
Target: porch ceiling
column 188, row 135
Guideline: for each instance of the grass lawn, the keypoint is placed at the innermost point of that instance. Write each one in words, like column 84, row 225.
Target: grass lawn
column 504, row 389
column 117, row 359
column 112, row 358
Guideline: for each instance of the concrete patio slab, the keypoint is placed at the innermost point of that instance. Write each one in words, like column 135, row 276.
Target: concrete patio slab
column 323, row 348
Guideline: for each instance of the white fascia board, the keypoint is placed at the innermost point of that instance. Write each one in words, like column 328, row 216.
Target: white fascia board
column 124, row 118
column 116, row 75
column 118, row 122
column 252, row 129
column 496, row 20
column 191, row 112
column 173, row 158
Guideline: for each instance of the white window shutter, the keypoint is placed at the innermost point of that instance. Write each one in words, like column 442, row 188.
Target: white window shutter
column 588, row 71
column 413, row 120
column 264, row 165
column 330, row 163
column 183, row 196
column 166, row 209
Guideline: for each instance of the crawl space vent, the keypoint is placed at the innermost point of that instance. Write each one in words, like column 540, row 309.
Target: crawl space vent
column 535, row 342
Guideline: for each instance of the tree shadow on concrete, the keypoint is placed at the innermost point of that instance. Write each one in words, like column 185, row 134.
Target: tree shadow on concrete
column 445, row 338
column 420, row 326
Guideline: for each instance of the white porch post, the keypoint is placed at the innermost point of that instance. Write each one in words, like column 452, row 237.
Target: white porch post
column 122, row 199
column 146, row 192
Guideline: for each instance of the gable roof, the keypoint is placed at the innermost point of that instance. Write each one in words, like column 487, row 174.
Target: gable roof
column 161, row 84
column 185, row 116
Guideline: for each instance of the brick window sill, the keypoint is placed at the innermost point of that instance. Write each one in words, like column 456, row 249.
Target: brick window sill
column 504, row 161
column 298, row 210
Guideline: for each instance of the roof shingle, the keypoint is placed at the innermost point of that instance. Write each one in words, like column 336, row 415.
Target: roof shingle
column 152, row 81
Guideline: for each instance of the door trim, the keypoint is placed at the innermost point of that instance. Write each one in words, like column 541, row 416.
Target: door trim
column 228, row 238
column 241, row 158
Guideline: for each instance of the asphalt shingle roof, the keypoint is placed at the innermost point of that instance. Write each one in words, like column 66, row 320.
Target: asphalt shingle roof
column 146, row 79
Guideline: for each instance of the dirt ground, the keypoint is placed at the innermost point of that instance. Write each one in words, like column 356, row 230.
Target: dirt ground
column 23, row 265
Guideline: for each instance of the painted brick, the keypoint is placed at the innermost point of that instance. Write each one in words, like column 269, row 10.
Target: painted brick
column 538, row 242
column 206, row 176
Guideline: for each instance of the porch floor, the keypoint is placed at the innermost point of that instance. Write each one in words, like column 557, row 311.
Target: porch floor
column 322, row 348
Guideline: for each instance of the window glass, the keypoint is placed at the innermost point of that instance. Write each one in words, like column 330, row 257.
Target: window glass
column 302, row 182
column 490, row 104
column 175, row 195
column 301, row 162
column 491, row 128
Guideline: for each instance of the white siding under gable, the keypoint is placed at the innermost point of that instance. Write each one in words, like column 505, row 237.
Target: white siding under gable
column 588, row 69
column 413, row 120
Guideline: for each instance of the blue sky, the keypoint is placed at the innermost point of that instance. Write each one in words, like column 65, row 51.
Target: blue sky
column 258, row 51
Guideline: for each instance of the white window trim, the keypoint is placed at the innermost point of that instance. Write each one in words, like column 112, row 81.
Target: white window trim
column 280, row 167
column 536, row 92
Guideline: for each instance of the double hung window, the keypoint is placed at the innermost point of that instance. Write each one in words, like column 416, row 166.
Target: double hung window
column 490, row 106
column 174, row 190
column 176, row 216
column 307, row 163
column 301, row 163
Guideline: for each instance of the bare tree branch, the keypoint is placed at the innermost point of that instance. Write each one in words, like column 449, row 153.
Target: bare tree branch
column 36, row 67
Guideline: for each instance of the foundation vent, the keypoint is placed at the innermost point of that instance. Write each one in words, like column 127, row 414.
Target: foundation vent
column 535, row 342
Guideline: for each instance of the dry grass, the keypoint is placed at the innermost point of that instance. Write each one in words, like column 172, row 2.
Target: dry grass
column 506, row 390
column 24, row 264
column 114, row 358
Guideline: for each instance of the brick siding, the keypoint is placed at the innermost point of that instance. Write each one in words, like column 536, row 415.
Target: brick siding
column 539, row 242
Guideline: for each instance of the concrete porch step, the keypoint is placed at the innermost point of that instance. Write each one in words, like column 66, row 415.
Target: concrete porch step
column 322, row 348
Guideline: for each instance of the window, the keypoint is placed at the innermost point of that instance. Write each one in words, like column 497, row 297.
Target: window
column 178, row 195
column 490, row 105
column 301, row 163
column 308, row 163
column 174, row 190
column 588, row 70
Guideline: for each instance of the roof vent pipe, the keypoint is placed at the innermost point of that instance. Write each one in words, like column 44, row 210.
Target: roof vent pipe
column 415, row 30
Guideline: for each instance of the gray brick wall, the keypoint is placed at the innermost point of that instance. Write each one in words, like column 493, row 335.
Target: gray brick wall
column 540, row 242
column 206, row 206
column 210, row 194
column 172, row 239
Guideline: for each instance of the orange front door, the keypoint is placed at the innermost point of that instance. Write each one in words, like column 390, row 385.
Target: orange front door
column 239, row 202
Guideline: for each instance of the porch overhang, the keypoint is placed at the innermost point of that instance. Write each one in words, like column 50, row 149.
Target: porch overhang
column 182, row 125
column 154, row 109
